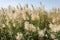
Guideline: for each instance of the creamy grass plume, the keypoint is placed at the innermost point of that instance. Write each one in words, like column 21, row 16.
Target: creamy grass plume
column 22, row 23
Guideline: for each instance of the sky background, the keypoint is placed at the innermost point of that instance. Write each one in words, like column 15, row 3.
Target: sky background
column 49, row 4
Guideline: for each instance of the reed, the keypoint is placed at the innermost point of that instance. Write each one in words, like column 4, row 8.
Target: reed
column 23, row 23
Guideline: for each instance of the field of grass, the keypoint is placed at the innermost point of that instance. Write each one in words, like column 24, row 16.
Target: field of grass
column 22, row 23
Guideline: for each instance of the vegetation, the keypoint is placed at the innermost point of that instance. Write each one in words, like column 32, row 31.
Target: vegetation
column 23, row 23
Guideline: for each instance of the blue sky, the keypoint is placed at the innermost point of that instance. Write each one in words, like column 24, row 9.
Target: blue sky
column 49, row 4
